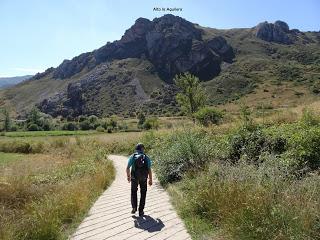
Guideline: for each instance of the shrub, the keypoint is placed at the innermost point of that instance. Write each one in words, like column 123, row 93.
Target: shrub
column 60, row 142
column 250, row 145
column 42, row 120
column 151, row 123
column 113, row 122
column 34, row 127
column 110, row 123
column 82, row 118
column 246, row 117
column 22, row 146
column 14, row 128
column 70, row 126
column 169, row 125
column 46, row 125
column 93, row 119
column 207, row 116
column 85, row 125
column 123, row 126
column 141, row 118
column 288, row 73
column 304, row 152
column 309, row 118
column 178, row 153
column 100, row 129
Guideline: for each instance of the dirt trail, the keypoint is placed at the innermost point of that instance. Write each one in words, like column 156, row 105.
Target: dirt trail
column 110, row 217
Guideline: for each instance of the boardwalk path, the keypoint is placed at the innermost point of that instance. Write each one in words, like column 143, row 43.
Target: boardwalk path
column 110, row 216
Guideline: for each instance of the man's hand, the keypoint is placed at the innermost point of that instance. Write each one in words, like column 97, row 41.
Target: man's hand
column 129, row 178
column 150, row 176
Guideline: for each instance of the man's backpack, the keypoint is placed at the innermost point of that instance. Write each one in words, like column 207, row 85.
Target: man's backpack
column 140, row 166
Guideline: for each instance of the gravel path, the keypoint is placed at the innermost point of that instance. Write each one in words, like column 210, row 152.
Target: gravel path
column 110, row 217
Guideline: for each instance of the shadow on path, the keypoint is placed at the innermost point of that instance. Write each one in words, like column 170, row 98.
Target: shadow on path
column 148, row 223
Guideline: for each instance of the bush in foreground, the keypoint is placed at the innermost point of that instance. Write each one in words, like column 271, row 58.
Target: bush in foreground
column 252, row 182
column 176, row 154
column 250, row 204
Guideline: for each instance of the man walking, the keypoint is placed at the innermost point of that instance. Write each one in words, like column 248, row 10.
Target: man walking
column 140, row 165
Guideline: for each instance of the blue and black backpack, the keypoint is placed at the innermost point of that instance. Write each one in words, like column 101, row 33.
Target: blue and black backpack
column 140, row 171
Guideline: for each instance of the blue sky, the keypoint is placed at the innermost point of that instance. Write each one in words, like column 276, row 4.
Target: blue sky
column 37, row 34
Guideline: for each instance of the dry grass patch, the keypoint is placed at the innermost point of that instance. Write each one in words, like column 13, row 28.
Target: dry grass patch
column 45, row 195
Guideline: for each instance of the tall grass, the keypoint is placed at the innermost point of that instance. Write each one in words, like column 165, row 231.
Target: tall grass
column 257, row 182
column 32, row 145
column 250, row 204
column 48, row 133
column 48, row 202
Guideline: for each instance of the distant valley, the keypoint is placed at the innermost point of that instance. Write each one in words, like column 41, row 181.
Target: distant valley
column 11, row 81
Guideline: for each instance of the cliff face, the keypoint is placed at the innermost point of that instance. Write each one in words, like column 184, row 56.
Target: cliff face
column 170, row 43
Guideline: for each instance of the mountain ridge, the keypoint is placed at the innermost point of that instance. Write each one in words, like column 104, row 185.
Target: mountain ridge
column 136, row 72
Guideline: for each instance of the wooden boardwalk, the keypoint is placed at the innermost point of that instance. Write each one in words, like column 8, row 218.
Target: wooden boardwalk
column 110, row 217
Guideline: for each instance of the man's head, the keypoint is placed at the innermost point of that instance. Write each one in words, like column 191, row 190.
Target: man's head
column 140, row 147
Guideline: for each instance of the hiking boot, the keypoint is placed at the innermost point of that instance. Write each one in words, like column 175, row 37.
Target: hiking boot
column 133, row 210
column 141, row 213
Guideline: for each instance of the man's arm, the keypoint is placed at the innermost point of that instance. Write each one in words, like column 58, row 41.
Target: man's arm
column 130, row 161
column 149, row 171
column 150, row 176
column 128, row 174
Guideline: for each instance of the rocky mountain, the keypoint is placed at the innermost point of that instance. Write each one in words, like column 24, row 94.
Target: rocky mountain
column 279, row 32
column 137, row 71
column 11, row 81
column 170, row 43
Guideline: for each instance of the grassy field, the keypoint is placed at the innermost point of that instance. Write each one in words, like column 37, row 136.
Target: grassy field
column 48, row 133
column 6, row 158
column 46, row 190
column 253, row 179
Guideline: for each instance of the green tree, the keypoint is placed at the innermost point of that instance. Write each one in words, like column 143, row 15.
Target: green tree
column 141, row 118
column 246, row 117
column 113, row 121
column 34, row 117
column 192, row 96
column 7, row 120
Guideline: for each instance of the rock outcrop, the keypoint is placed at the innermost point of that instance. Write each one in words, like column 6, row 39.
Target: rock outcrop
column 104, row 91
column 172, row 44
column 278, row 32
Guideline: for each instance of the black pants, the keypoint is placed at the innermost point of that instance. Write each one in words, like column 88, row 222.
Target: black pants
column 143, row 193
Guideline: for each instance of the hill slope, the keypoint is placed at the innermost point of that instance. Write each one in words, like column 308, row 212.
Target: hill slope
column 137, row 71
column 10, row 81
